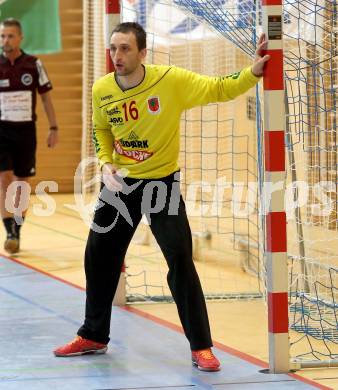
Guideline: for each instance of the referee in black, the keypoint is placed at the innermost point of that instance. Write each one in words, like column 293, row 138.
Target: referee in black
column 21, row 76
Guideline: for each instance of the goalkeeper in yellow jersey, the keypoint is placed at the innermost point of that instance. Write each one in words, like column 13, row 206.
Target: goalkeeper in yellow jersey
column 136, row 119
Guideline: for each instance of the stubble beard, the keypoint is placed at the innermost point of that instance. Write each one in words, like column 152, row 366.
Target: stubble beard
column 127, row 71
column 7, row 49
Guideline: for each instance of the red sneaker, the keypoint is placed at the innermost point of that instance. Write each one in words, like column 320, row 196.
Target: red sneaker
column 80, row 346
column 205, row 360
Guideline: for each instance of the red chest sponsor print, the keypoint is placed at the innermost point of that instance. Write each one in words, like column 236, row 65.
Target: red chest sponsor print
column 154, row 106
column 137, row 155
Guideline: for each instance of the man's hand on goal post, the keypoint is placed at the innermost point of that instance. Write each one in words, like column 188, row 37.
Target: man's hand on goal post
column 260, row 58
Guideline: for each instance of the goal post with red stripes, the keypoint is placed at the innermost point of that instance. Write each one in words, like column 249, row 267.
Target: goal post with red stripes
column 274, row 166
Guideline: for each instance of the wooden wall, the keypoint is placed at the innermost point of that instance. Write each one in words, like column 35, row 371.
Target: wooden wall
column 65, row 72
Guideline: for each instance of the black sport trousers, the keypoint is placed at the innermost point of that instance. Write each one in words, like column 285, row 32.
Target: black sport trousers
column 105, row 253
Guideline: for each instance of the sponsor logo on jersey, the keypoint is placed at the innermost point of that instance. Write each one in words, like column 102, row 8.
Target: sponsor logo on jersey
column 103, row 98
column 117, row 120
column 26, row 79
column 134, row 143
column 137, row 155
column 4, row 83
column 113, row 111
column 133, row 136
column 233, row 76
column 154, row 105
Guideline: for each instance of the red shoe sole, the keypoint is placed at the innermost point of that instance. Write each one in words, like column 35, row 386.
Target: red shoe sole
column 206, row 369
column 89, row 352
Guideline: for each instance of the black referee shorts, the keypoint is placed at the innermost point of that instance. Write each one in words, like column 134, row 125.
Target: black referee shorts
column 18, row 148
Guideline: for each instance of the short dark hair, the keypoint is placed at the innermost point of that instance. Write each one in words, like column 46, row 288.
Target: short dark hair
column 136, row 29
column 11, row 22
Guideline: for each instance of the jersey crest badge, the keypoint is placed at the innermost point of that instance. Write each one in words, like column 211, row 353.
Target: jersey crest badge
column 26, row 79
column 154, row 105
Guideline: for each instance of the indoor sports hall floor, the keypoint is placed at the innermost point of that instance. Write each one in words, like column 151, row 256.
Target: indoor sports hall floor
column 42, row 305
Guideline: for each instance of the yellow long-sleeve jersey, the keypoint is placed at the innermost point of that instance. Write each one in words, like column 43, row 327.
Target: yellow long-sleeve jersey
column 138, row 129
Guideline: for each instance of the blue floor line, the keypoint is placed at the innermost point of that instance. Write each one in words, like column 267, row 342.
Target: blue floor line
column 43, row 308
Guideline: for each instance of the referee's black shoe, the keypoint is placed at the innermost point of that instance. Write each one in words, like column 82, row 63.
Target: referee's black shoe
column 12, row 243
